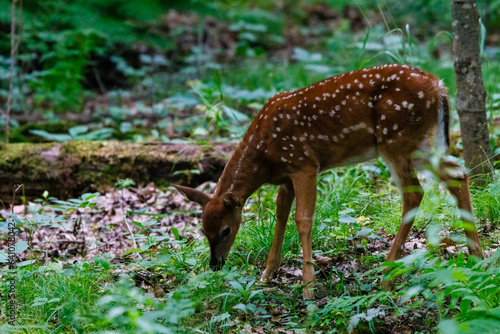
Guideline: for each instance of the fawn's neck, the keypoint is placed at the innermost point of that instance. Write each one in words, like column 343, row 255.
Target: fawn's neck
column 243, row 174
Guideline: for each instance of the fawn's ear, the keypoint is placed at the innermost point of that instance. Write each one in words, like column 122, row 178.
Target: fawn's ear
column 230, row 200
column 194, row 195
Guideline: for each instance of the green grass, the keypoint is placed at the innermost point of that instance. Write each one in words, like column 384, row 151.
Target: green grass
column 93, row 297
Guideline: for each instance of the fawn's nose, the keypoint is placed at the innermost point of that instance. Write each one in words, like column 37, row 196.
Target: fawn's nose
column 216, row 264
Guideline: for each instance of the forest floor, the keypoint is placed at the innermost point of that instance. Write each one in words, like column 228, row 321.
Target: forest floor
column 167, row 257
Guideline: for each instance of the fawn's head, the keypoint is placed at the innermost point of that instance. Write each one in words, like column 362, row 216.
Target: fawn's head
column 220, row 221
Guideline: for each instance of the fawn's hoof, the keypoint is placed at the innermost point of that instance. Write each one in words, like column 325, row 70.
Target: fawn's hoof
column 267, row 276
column 308, row 293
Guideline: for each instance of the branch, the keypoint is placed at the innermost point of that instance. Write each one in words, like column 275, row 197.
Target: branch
column 13, row 50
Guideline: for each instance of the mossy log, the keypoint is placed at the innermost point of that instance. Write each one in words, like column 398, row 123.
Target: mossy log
column 68, row 170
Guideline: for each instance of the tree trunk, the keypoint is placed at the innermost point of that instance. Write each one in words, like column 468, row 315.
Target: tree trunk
column 68, row 170
column 470, row 90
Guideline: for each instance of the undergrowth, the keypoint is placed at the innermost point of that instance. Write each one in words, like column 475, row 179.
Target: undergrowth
column 435, row 290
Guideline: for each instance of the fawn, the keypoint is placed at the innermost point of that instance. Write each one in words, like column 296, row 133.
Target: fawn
column 389, row 111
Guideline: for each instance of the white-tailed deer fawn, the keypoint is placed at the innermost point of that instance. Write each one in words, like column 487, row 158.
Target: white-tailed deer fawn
column 389, row 111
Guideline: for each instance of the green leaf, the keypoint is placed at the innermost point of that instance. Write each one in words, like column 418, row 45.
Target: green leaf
column 240, row 306
column 4, row 257
column 20, row 246
column 234, row 114
column 100, row 134
column 490, row 326
column 459, row 275
column 89, row 196
column 137, row 223
column 411, row 292
column 254, row 293
column 495, row 312
column 413, row 257
column 346, row 219
column 51, row 136
column 115, row 312
column 364, row 232
column 236, row 285
column 39, row 301
column 465, row 305
column 57, row 267
column 191, row 262
column 102, row 261
column 135, row 250
column 176, row 234
column 25, row 263
column 449, row 326
column 78, row 130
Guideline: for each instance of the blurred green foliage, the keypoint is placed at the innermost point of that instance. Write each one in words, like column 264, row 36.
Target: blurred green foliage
column 139, row 57
column 62, row 39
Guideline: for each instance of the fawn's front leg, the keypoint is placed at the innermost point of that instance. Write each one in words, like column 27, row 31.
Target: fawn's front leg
column 304, row 183
column 284, row 203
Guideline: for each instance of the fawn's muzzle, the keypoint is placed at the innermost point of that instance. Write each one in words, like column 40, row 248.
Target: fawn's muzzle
column 216, row 264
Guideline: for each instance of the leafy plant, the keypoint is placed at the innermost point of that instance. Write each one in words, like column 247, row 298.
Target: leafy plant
column 465, row 290
column 79, row 132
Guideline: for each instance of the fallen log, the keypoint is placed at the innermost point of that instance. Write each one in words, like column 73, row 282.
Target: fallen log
column 70, row 169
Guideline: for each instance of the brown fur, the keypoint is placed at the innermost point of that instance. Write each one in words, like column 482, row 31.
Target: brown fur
column 391, row 111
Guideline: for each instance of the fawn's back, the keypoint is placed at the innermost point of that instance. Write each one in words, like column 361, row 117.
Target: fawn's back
column 349, row 118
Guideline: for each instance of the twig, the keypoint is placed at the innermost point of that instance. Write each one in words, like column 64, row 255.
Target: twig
column 18, row 186
column 366, row 206
column 128, row 226
column 422, row 229
column 13, row 49
column 59, row 242
column 99, row 80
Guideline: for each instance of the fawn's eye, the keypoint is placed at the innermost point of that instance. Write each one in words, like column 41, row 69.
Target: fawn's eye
column 225, row 232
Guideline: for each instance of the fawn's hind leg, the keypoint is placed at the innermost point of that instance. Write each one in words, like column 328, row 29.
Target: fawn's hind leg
column 457, row 183
column 403, row 171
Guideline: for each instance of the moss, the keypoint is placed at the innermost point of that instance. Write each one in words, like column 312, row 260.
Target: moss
column 17, row 157
column 68, row 169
